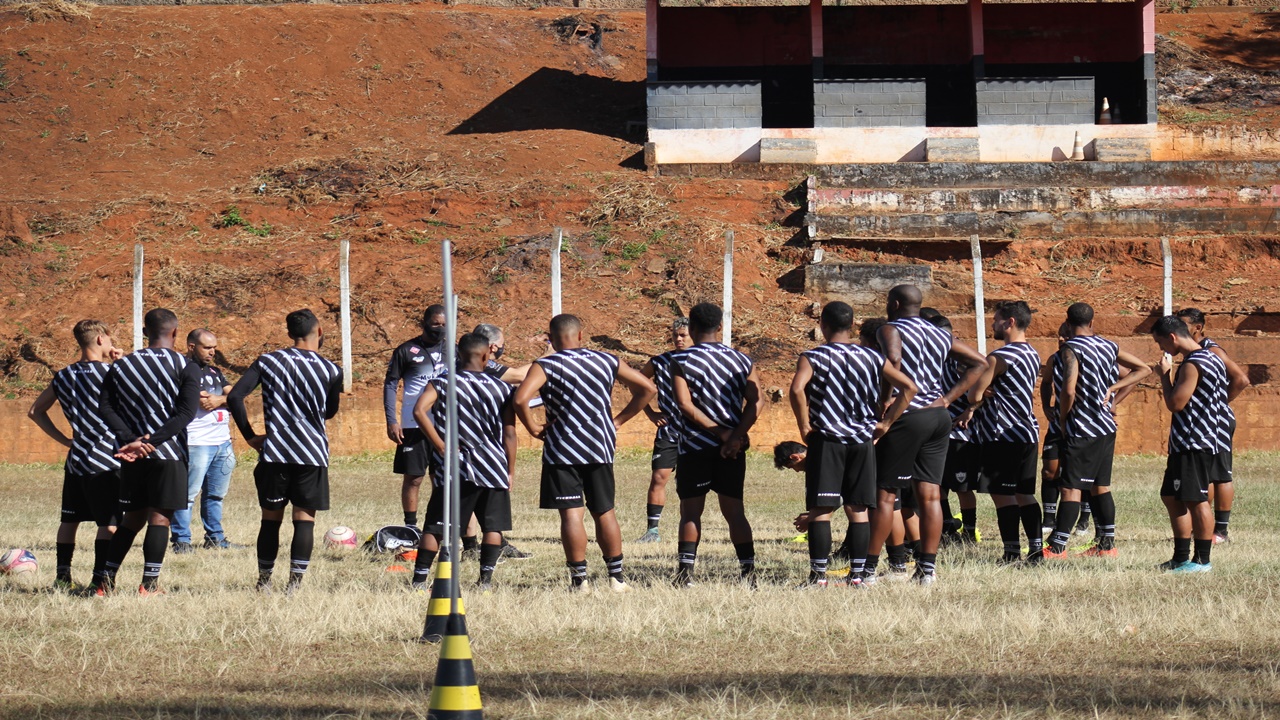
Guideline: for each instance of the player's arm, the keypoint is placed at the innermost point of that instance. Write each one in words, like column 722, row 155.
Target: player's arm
column 107, row 402
column 907, row 390
column 390, row 387
column 235, row 404
column 422, row 414
column 525, row 394
column 184, row 409
column 1046, row 388
column 39, row 414
column 333, row 398
column 799, row 398
column 975, row 366
column 516, row 375
column 753, row 403
column 509, row 438
column 1237, row 378
column 891, row 346
column 691, row 412
column 1177, row 391
column 643, row 391
column 1137, row 371
column 995, row 368
column 655, row 416
column 1070, row 377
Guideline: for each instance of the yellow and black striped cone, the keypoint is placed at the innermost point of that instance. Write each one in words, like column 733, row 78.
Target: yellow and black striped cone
column 439, row 607
column 455, row 695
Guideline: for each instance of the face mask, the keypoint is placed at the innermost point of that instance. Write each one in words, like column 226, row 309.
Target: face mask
column 498, row 353
column 433, row 336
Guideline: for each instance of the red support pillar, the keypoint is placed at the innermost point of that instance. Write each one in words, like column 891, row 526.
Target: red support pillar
column 651, row 38
column 976, row 42
column 815, row 36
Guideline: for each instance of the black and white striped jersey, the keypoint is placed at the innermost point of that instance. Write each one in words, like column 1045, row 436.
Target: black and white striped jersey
column 844, row 391
column 482, row 454
column 1227, row 434
column 156, row 392
column 666, row 398
column 1090, row 414
column 1008, row 414
column 78, row 387
column 416, row 364
column 1198, row 425
column 951, row 373
column 925, row 348
column 717, row 379
column 1055, row 369
column 300, row 391
column 578, row 396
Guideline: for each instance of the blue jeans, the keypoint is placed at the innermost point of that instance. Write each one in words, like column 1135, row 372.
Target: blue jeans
column 208, row 475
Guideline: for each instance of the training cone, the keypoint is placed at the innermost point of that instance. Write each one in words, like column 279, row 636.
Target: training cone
column 438, row 608
column 1077, row 148
column 455, row 695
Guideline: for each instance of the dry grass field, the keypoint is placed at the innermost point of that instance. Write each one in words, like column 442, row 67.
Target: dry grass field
column 1088, row 638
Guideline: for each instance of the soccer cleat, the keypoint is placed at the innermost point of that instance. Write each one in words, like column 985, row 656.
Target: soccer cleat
column 852, row 581
column 1221, row 537
column 511, row 552
column 398, row 569
column 223, row 544
column 484, row 587
column 1191, row 567
column 813, row 584
column 618, row 586
column 649, row 536
column 422, row 588
column 582, row 588
column 1034, row 558
column 1050, row 554
column 144, row 591
column 1096, row 551
column 970, row 537
column 801, row 538
column 924, row 580
column 748, row 580
column 183, row 548
column 94, row 590
column 895, row 572
column 66, row 585
column 409, row 555
column 1168, row 565
column 294, row 584
column 1009, row 558
column 839, row 572
column 264, row 583
column 683, row 579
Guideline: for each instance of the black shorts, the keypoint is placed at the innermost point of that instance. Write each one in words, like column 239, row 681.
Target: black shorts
column 1188, row 474
column 837, row 473
column 703, row 471
column 413, row 454
column 575, row 486
column 306, row 487
column 492, row 507
column 159, row 484
column 1086, row 462
column 914, row 449
column 91, row 498
column 665, row 453
column 1052, row 448
column 961, row 471
column 1224, row 459
column 1007, row 468
column 905, row 499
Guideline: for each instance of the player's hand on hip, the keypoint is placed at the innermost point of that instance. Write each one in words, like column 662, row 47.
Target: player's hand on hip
column 395, row 434
column 257, row 441
column 539, row 432
column 879, row 431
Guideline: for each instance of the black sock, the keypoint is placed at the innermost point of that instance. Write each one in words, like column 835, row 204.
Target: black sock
column 422, row 566
column 819, row 548
column 614, row 566
column 897, row 554
column 1181, row 550
column 926, row 564
column 100, row 548
column 687, row 555
column 411, row 518
column 1068, row 513
column 1008, row 519
column 1203, row 548
column 154, row 545
column 912, row 548
column 304, row 537
column 747, row 556
column 655, row 514
column 268, row 546
column 1104, row 517
column 470, row 543
column 969, row 518
column 869, row 568
column 1031, row 524
column 65, row 552
column 489, row 554
column 1085, row 512
column 1049, row 495
column 577, row 572
column 120, row 545
column 947, row 517
column 1221, row 519
column 859, row 538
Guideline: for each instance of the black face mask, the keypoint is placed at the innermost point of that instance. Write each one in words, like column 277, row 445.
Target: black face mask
column 432, row 336
column 497, row 353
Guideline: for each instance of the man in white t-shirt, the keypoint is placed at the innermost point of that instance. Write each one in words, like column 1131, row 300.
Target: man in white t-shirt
column 210, row 456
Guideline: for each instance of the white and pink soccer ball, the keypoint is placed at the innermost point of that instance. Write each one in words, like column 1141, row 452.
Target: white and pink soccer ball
column 18, row 561
column 340, row 539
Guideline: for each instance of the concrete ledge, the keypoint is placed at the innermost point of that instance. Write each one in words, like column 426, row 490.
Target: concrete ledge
column 951, row 150
column 788, row 150
column 1122, row 149
column 862, row 283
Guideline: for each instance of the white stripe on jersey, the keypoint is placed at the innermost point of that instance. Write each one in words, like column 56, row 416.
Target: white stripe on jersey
column 1055, row 419
column 925, row 348
column 78, row 387
column 482, row 452
column 950, row 378
column 717, row 378
column 295, row 393
column 844, row 391
column 146, row 383
column 1090, row 415
column 1226, row 432
column 666, row 398
column 1198, row 425
column 1008, row 415
column 578, row 396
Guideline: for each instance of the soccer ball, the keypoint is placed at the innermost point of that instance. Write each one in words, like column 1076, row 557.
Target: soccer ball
column 340, row 538
column 17, row 561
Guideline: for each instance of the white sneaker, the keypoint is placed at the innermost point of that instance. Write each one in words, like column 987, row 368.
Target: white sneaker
column 583, row 589
column 618, row 586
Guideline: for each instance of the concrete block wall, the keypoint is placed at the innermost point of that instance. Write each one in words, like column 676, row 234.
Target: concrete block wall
column 703, row 106
column 1149, row 80
column 1036, row 101
column 868, row 103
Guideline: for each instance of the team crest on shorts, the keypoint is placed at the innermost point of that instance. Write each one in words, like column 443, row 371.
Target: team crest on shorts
column 962, row 476
column 1177, row 483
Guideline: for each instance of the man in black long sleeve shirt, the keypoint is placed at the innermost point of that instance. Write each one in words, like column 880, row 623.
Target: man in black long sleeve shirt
column 148, row 399
column 300, row 391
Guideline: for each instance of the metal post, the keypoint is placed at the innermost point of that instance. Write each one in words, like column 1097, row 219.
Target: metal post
column 979, row 303
column 447, row 544
column 728, row 288
column 344, row 272
column 137, row 296
column 451, row 488
column 557, row 240
column 1167, row 252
